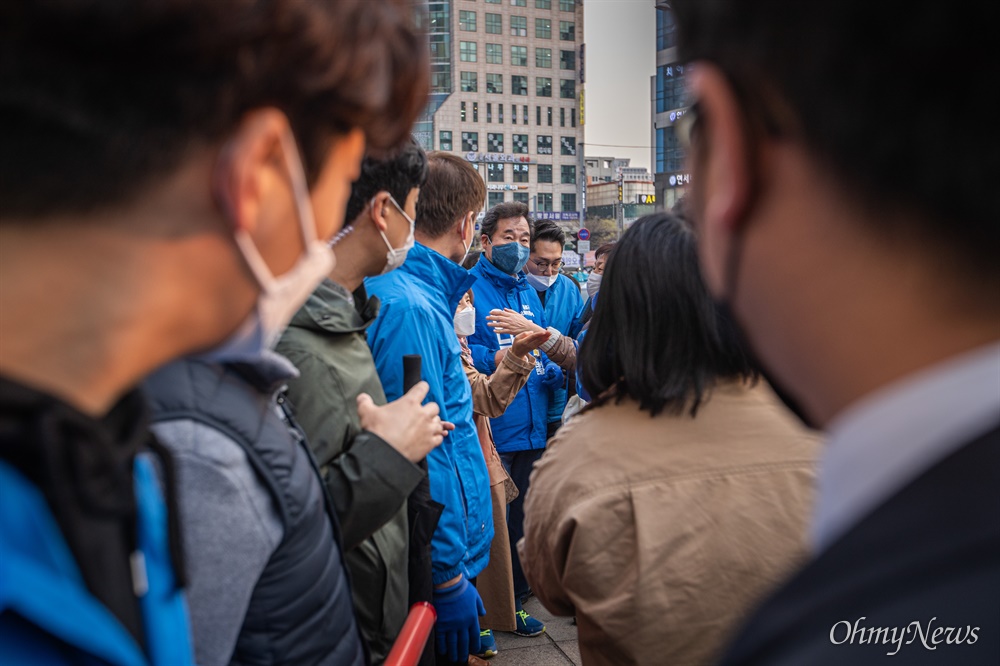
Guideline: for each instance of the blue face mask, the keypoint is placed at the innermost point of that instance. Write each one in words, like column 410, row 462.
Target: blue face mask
column 510, row 258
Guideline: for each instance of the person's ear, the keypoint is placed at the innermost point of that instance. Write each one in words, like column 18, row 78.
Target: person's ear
column 377, row 210
column 721, row 165
column 248, row 169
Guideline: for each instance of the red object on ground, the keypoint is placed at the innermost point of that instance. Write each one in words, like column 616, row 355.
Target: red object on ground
column 416, row 630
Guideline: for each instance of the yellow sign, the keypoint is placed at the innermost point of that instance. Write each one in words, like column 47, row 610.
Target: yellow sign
column 581, row 107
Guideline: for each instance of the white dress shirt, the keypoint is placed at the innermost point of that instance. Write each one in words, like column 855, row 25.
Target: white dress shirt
column 891, row 436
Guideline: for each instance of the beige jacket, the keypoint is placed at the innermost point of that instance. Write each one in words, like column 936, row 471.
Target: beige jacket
column 491, row 395
column 660, row 534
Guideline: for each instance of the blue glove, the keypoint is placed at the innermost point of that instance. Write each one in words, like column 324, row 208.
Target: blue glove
column 458, row 608
column 553, row 377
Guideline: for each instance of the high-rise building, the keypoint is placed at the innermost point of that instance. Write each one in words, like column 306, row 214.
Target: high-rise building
column 669, row 102
column 507, row 82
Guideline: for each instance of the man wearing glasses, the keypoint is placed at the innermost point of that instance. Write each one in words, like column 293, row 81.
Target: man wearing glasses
column 561, row 300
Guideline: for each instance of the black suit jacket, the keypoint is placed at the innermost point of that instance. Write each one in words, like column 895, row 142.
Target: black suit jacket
column 928, row 555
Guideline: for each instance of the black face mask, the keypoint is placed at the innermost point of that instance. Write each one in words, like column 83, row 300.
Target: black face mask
column 726, row 312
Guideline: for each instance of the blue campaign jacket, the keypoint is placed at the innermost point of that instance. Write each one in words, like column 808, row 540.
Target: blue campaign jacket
column 563, row 304
column 522, row 426
column 418, row 317
column 47, row 615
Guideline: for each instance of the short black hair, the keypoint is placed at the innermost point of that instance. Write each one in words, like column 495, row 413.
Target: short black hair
column 656, row 335
column 397, row 173
column 871, row 89
column 604, row 249
column 505, row 211
column 547, row 230
column 99, row 98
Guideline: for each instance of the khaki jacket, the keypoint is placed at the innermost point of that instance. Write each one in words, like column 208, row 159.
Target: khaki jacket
column 661, row 533
column 491, row 394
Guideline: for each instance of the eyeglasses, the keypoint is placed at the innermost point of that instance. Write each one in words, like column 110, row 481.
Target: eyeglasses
column 684, row 127
column 545, row 265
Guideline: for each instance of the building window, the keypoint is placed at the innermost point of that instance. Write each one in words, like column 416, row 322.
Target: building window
column 494, row 143
column 518, row 85
column 669, row 153
column 494, row 24
column 567, row 5
column 568, row 174
column 440, row 48
column 441, row 82
column 567, row 88
column 544, row 173
column 470, row 82
column 538, row 115
column 494, row 2
column 543, row 145
column 463, row 112
column 666, row 30
column 519, row 143
column 519, row 26
column 543, row 86
column 521, row 197
column 670, row 90
column 467, row 51
column 494, row 54
column 572, row 117
column 567, row 31
column 437, row 19
column 495, row 199
column 475, row 112
column 562, row 117
column 550, row 116
column 519, row 56
column 470, row 142
column 569, row 201
column 525, row 114
column 519, row 3
column 567, row 60
column 545, row 202
column 494, row 84
column 520, row 173
column 543, row 28
column 543, row 57
column 467, row 21
column 494, row 172
column 543, row 4
column 567, row 145
column 500, row 113
column 489, row 112
column 444, row 139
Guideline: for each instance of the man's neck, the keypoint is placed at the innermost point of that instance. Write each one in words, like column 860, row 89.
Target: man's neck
column 439, row 245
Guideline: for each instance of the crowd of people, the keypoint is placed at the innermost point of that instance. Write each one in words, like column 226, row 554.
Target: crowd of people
column 260, row 394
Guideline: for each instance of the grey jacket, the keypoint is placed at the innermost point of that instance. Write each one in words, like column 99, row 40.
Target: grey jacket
column 368, row 480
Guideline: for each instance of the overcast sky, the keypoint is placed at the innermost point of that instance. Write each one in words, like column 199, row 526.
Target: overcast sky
column 621, row 57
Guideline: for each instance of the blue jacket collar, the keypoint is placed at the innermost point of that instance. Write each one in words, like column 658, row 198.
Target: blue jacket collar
column 486, row 268
column 439, row 273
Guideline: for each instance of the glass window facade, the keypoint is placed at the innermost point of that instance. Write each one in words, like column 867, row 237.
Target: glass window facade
column 543, row 28
column 544, row 202
column 467, row 51
column 669, row 153
column 543, row 145
column 544, row 173
column 494, row 24
column 567, row 5
column 567, row 31
column 494, row 199
column 567, row 60
column 543, row 86
column 567, row 145
column 543, row 4
column 519, row 56
column 444, row 139
column 543, row 57
column 518, row 85
column 670, row 89
column 568, row 201
column 519, row 3
column 521, row 197
column 519, row 143
column 494, row 54
column 470, row 142
column 567, row 88
column 519, row 26
column 568, row 175
column 521, row 173
column 494, row 84
column 494, row 172
column 666, row 30
column 494, row 143
column 470, row 82
column 467, row 21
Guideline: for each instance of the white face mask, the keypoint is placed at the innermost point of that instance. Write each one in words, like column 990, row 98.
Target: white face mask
column 465, row 322
column 280, row 297
column 541, row 282
column 395, row 257
column 593, row 283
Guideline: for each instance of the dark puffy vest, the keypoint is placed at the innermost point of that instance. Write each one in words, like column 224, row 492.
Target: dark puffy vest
column 301, row 610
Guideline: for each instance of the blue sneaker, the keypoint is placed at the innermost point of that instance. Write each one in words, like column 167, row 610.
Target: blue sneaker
column 487, row 644
column 527, row 625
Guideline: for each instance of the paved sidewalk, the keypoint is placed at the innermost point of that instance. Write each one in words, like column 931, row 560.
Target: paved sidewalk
column 558, row 646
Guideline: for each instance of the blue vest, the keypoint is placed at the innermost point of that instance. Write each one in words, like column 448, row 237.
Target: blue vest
column 47, row 615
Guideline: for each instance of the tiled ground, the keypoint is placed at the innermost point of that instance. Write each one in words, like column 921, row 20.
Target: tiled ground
column 556, row 647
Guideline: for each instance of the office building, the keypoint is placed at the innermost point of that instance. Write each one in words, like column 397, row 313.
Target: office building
column 668, row 99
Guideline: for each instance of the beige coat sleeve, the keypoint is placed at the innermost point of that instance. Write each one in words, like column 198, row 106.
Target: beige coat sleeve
column 492, row 394
column 563, row 353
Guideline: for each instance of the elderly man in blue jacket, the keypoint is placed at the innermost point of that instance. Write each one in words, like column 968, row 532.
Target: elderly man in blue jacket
column 417, row 317
column 507, row 305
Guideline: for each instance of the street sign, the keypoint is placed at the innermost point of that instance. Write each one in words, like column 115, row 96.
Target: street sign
column 583, row 234
column 571, row 259
column 583, row 247
column 646, row 198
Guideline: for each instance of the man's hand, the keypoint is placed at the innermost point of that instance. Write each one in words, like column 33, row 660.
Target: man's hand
column 406, row 425
column 459, row 608
column 526, row 343
column 509, row 322
column 553, row 378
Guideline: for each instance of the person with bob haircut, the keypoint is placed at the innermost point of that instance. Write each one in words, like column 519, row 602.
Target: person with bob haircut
column 662, row 512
